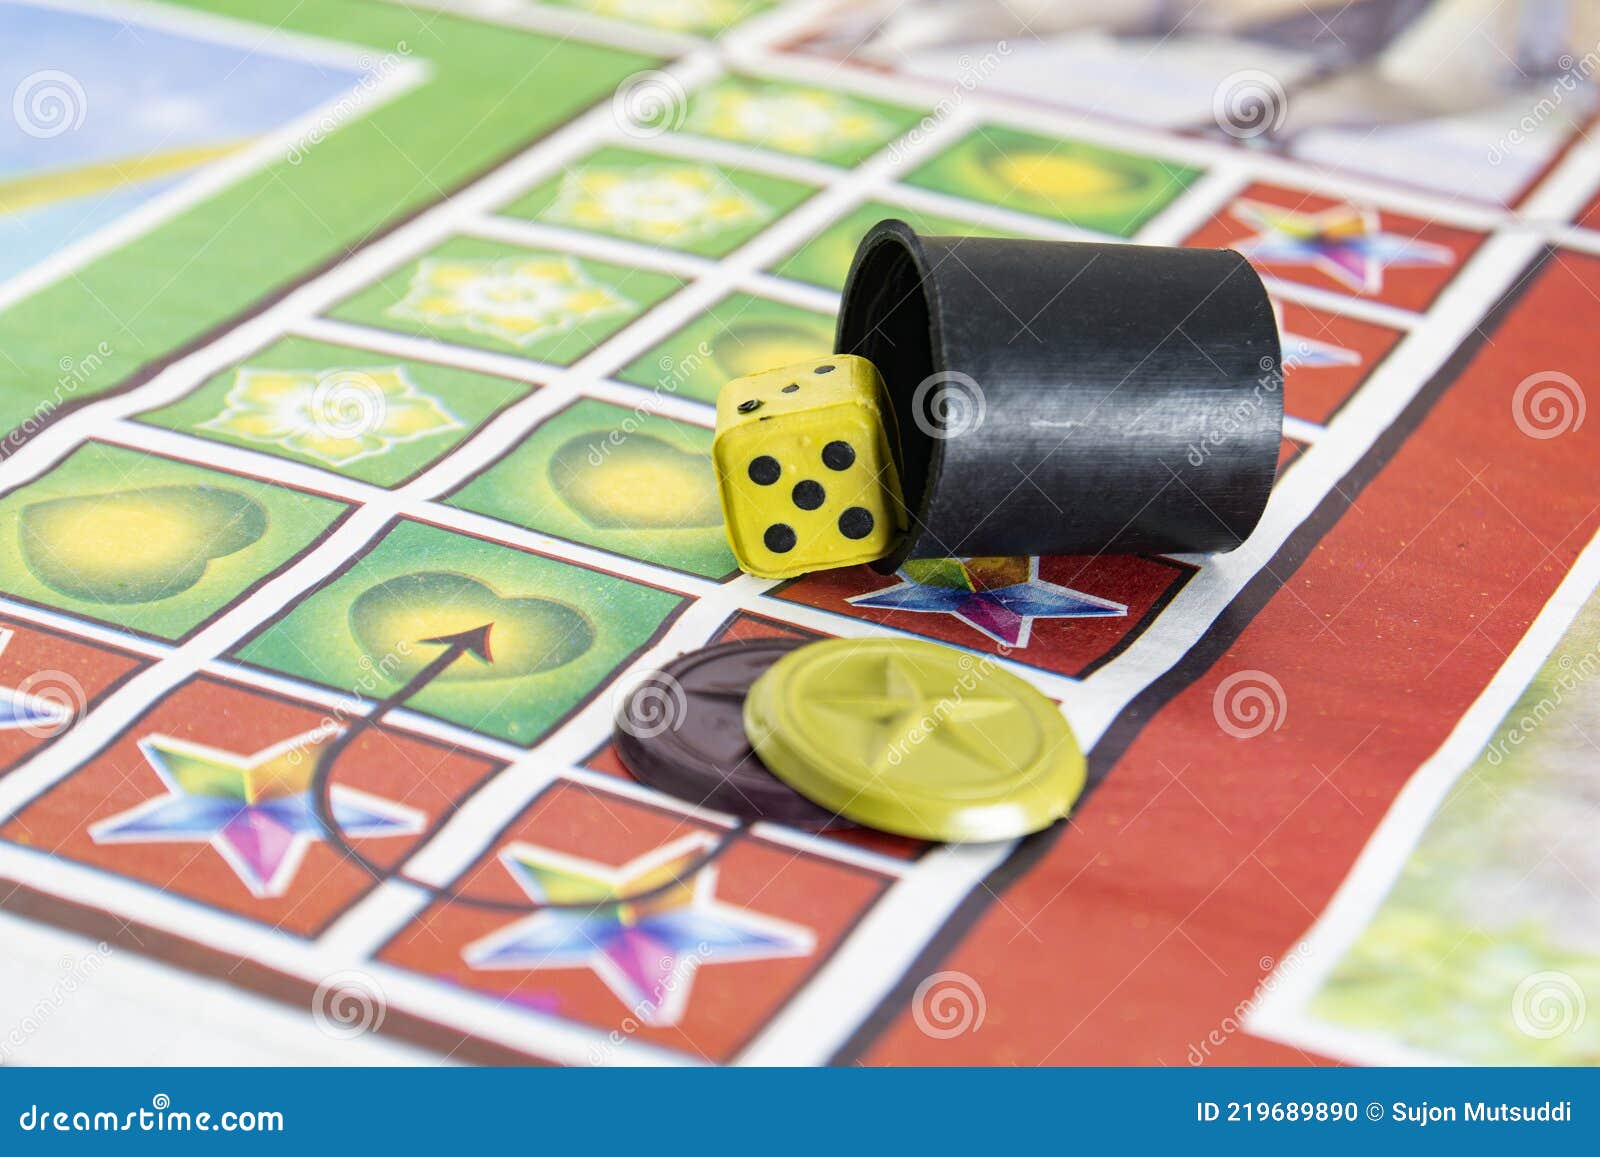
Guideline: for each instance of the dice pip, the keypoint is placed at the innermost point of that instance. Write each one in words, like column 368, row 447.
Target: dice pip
column 806, row 467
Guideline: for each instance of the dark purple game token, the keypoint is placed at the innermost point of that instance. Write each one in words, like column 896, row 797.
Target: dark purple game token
column 681, row 731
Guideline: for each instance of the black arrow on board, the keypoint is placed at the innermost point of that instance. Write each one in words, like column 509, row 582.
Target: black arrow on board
column 475, row 642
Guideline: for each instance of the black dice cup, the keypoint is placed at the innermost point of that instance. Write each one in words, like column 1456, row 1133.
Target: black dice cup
column 1065, row 398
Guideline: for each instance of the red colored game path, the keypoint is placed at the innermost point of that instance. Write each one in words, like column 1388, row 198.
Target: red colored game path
column 1201, row 859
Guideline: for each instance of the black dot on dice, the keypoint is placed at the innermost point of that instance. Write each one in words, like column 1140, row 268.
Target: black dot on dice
column 780, row 538
column 808, row 495
column 856, row 522
column 823, row 370
column 789, row 389
column 838, row 456
column 764, row 470
column 749, row 404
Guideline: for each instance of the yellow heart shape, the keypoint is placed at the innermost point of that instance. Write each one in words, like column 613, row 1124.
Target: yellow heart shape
column 393, row 620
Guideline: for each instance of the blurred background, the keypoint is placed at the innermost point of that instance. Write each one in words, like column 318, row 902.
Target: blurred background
column 1459, row 96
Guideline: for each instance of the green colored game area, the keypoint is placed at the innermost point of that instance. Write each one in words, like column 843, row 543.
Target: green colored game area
column 427, row 101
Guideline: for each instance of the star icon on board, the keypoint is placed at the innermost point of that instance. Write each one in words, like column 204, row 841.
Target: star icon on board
column 646, row 950
column 1346, row 242
column 1308, row 353
column 1000, row 597
column 902, row 705
column 255, row 810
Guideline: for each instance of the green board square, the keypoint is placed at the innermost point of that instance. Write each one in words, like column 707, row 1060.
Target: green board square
column 538, row 303
column 740, row 335
column 146, row 543
column 696, row 17
column 632, row 483
column 368, row 416
column 671, row 202
column 558, row 632
column 1072, row 181
column 818, row 123
column 825, row 259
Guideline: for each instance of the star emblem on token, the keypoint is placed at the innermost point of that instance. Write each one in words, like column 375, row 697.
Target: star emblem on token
column 1000, row 597
column 904, row 708
column 1347, row 243
column 255, row 810
column 644, row 928
column 915, row 738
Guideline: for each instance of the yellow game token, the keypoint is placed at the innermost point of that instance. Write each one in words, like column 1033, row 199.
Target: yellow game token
column 915, row 738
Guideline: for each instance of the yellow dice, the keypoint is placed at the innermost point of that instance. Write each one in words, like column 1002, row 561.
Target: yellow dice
column 806, row 467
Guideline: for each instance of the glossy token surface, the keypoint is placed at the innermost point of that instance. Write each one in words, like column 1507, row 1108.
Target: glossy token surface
column 681, row 731
column 914, row 738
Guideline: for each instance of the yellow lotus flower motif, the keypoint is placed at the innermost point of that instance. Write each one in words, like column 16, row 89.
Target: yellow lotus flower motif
column 809, row 121
column 673, row 15
column 661, row 204
column 515, row 299
column 336, row 415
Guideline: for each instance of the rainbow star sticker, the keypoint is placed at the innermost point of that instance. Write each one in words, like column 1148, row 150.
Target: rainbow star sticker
column 1346, row 242
column 999, row 596
column 646, row 951
column 255, row 810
